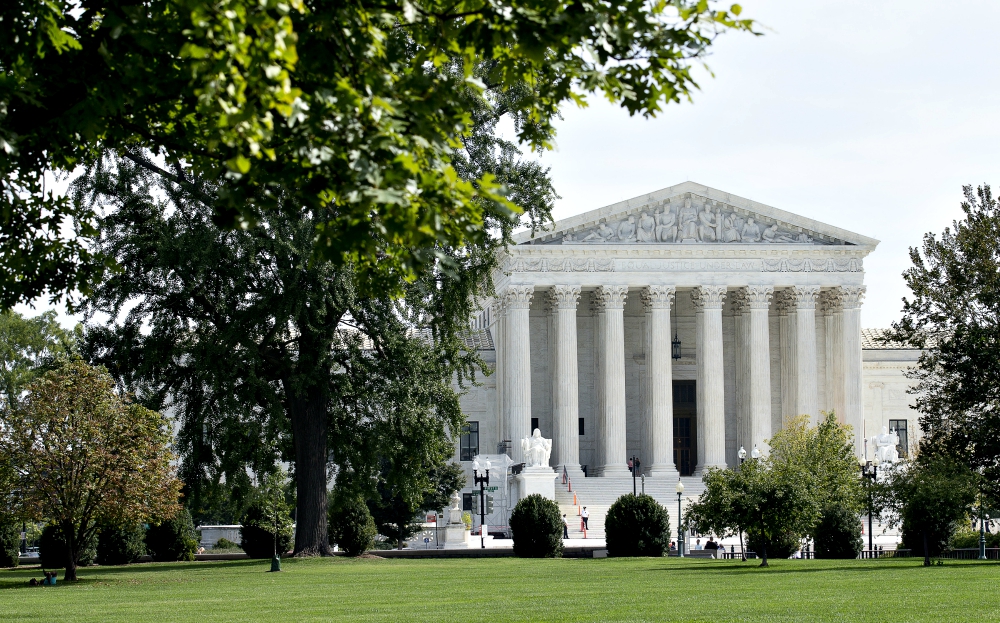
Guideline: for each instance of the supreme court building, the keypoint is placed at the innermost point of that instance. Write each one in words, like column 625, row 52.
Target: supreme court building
column 678, row 327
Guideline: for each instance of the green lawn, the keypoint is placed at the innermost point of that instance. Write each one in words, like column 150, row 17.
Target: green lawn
column 508, row 589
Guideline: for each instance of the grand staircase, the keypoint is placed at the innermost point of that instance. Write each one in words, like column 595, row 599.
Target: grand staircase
column 598, row 494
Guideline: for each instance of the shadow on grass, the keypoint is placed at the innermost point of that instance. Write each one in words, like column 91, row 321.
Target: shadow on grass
column 17, row 578
column 799, row 567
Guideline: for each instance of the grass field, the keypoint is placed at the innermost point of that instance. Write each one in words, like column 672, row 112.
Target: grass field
column 509, row 589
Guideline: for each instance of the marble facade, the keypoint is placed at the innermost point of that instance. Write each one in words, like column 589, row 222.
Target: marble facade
column 765, row 304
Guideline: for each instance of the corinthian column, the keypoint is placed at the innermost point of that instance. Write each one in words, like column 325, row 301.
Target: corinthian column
column 565, row 403
column 854, row 406
column 806, row 381
column 517, row 385
column 759, row 300
column 659, row 428
column 708, row 299
column 610, row 303
column 833, row 316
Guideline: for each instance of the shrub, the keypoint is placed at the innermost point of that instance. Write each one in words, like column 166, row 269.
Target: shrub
column 53, row 553
column 537, row 528
column 173, row 539
column 225, row 543
column 781, row 547
column 121, row 544
column 257, row 532
column 636, row 525
column 838, row 534
column 10, row 543
column 351, row 526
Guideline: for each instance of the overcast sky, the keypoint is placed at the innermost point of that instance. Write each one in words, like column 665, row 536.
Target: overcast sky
column 865, row 115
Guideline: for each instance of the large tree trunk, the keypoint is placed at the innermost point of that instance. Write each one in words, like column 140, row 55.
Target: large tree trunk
column 71, row 552
column 763, row 547
column 927, row 551
column 310, row 424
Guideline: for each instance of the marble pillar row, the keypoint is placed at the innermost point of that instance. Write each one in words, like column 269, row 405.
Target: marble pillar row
column 708, row 300
column 806, row 375
column 759, row 300
column 566, row 399
column 610, row 301
column 659, row 412
column 854, row 406
column 785, row 309
column 741, row 317
column 834, row 318
column 517, row 385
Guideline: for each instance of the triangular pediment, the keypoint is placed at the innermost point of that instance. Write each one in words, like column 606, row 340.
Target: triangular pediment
column 692, row 213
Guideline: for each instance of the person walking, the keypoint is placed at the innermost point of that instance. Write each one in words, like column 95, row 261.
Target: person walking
column 565, row 527
column 584, row 515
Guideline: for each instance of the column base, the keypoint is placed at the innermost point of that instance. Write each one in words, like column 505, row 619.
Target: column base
column 668, row 472
column 699, row 471
column 574, row 471
column 540, row 480
column 614, row 471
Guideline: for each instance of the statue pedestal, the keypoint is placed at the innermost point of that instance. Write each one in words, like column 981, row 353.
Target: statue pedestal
column 540, row 480
column 455, row 536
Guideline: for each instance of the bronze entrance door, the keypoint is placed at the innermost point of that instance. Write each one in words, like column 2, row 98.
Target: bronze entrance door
column 685, row 452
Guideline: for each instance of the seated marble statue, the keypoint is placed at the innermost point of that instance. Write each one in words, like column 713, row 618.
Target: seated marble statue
column 536, row 450
column 688, row 222
column 730, row 231
column 885, row 446
column 706, row 227
column 666, row 228
column 770, row 234
column 626, row 230
column 751, row 232
column 647, row 228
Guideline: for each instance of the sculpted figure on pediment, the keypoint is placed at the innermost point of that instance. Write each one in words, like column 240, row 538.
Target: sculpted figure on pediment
column 626, row 230
column 730, row 231
column 688, row 222
column 647, row 228
column 706, row 225
column 666, row 227
column 601, row 234
column 751, row 231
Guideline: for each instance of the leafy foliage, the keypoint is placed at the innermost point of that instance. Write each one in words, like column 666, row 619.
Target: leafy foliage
column 27, row 347
column 838, row 533
column 953, row 314
column 54, row 553
column 84, row 455
column 267, row 527
column 225, row 543
column 172, row 539
column 782, row 545
column 351, row 525
column 10, row 541
column 121, row 543
column 928, row 498
column 773, row 506
column 354, row 108
column 637, row 526
column 397, row 509
column 536, row 527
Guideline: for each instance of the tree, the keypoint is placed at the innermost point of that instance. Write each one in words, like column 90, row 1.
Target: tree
column 767, row 503
column 267, row 525
column 84, row 454
column 536, row 528
column 350, row 108
column 928, row 497
column 351, row 525
column 408, row 491
column 27, row 345
column 637, row 526
column 953, row 315
column 838, row 533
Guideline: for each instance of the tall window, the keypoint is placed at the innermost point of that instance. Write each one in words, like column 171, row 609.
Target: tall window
column 583, row 429
column 534, row 425
column 904, row 442
column 470, row 441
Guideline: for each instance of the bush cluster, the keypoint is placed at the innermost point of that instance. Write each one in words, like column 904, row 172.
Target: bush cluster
column 258, row 541
column 350, row 525
column 537, row 528
column 173, row 539
column 636, row 525
column 225, row 543
column 781, row 547
column 10, row 542
column 53, row 552
column 838, row 533
column 121, row 544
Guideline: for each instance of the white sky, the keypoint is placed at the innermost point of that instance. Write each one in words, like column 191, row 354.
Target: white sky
column 865, row 115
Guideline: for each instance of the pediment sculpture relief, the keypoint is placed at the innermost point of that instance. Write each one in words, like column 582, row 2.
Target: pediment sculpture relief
column 712, row 222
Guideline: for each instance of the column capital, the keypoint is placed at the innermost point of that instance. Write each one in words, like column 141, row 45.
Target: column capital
column 852, row 296
column 831, row 301
column 708, row 297
column 517, row 297
column 799, row 297
column 564, row 297
column 658, row 297
column 757, row 296
column 610, row 297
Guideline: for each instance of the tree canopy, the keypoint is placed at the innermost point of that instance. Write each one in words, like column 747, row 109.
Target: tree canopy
column 27, row 346
column 953, row 314
column 82, row 454
column 351, row 111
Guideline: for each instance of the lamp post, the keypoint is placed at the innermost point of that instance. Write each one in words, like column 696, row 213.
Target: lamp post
column 982, row 529
column 483, row 481
column 869, row 470
column 756, row 453
column 742, row 454
column 633, row 466
column 680, row 528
